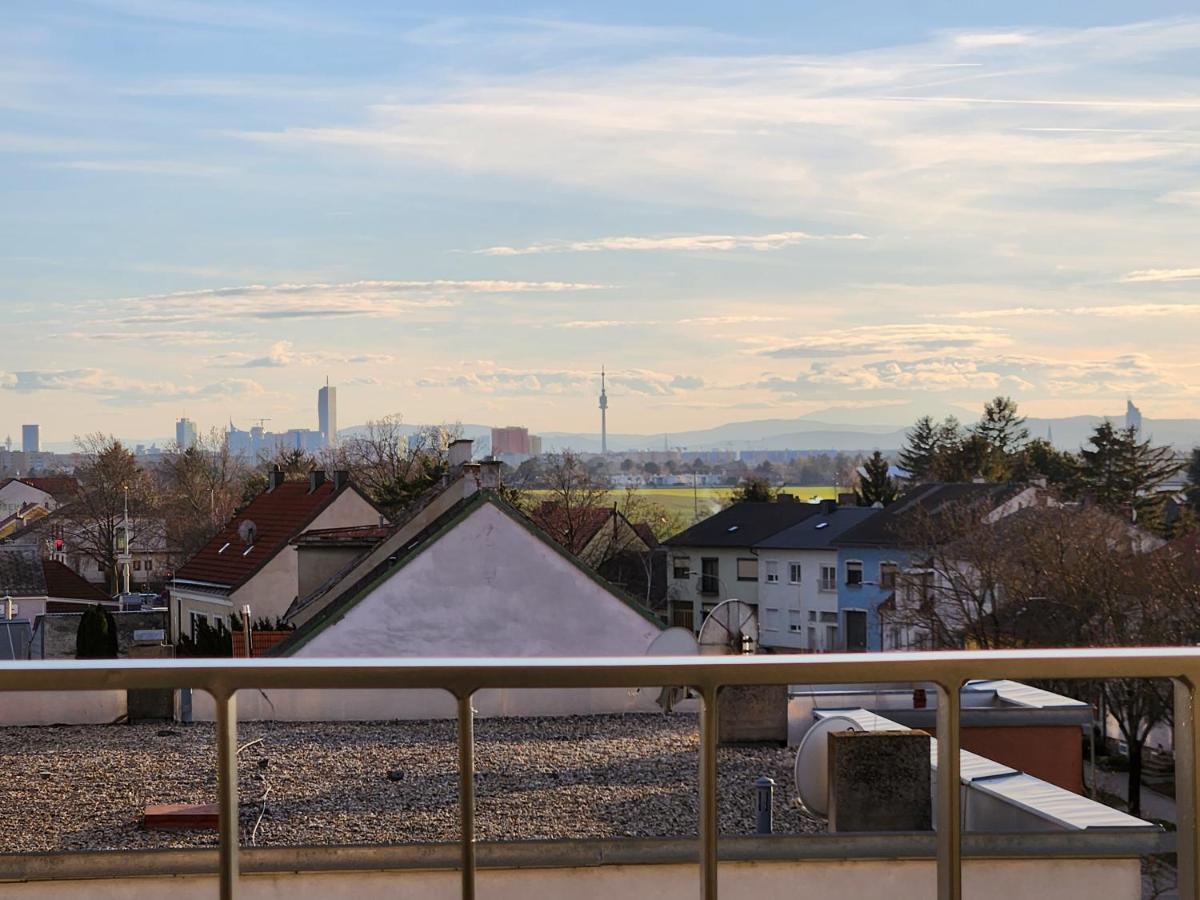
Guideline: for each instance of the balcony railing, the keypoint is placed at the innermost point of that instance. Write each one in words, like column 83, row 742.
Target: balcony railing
column 463, row 677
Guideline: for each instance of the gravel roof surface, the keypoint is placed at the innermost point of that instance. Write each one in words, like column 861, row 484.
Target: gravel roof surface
column 84, row 787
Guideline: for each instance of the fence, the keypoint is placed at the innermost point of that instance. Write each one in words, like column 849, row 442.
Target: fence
column 463, row 677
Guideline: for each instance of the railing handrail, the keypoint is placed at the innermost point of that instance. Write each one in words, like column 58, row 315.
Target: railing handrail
column 947, row 671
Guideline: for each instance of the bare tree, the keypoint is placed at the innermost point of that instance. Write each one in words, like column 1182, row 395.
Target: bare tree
column 573, row 494
column 202, row 487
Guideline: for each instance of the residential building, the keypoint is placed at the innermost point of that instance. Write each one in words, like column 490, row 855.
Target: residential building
column 32, row 586
column 715, row 560
column 47, row 492
column 185, row 433
column 511, row 439
column 31, row 438
column 873, row 554
column 798, row 583
column 251, row 561
column 327, row 414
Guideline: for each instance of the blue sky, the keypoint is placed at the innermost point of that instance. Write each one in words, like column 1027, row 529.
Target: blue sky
column 742, row 210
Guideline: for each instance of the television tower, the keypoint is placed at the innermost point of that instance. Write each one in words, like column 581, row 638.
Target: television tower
column 603, row 415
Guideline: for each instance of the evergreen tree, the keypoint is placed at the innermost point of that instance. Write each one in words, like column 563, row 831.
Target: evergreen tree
column 920, row 450
column 1193, row 480
column 1001, row 427
column 1041, row 459
column 875, row 485
column 96, row 637
column 753, row 490
column 1123, row 473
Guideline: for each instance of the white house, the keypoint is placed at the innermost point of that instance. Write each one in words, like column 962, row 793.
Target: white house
column 481, row 581
column 797, row 580
column 251, row 561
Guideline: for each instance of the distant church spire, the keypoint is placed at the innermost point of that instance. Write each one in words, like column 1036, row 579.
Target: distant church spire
column 603, row 414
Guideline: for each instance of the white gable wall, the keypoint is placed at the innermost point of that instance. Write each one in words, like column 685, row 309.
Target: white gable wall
column 487, row 588
column 16, row 494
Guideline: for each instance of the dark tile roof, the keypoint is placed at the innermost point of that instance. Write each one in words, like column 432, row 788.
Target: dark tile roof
column 576, row 529
column 278, row 516
column 887, row 528
column 818, row 532
column 744, row 524
column 57, row 486
column 21, row 571
column 63, row 583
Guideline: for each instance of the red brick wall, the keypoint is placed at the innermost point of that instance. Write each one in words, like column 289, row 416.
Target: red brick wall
column 260, row 642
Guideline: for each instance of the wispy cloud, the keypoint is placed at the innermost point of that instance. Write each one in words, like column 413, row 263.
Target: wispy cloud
column 886, row 339
column 146, row 167
column 679, row 243
column 506, row 381
column 1134, row 311
column 120, row 390
column 1162, row 275
column 283, row 354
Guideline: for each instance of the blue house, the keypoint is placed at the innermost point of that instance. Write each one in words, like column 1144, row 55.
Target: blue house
column 873, row 554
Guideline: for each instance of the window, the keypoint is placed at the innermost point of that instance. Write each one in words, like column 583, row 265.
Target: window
column 771, row 619
column 747, row 569
column 772, row 572
column 812, row 615
column 829, row 578
column 196, row 619
column 149, row 565
column 137, row 565
column 710, row 583
column 793, row 573
column 887, row 575
column 681, row 567
column 829, row 617
column 854, row 572
column 812, row 638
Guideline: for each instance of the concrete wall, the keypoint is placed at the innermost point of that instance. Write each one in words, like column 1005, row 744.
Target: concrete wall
column 1063, row 879
column 55, row 635
column 317, row 564
column 62, row 708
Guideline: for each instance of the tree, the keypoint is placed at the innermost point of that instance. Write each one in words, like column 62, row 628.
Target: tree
column 753, row 490
column 107, row 481
column 875, row 484
column 202, row 487
column 394, row 468
column 651, row 468
column 1001, row 427
column 920, row 450
column 1123, row 474
column 96, row 637
column 1041, row 459
column 572, row 495
column 627, row 465
column 1193, row 480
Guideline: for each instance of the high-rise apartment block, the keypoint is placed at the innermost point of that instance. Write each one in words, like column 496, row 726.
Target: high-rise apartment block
column 511, row 439
column 185, row 433
column 31, row 438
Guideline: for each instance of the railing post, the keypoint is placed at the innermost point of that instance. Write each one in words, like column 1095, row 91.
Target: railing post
column 949, row 803
column 708, row 793
column 466, row 793
column 1187, row 789
column 227, row 791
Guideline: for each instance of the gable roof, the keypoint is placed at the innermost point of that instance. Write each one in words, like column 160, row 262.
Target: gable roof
column 818, row 532
column 21, row 571
column 579, row 528
column 887, row 528
column 278, row 515
column 57, row 486
column 440, row 526
column 62, row 582
column 744, row 524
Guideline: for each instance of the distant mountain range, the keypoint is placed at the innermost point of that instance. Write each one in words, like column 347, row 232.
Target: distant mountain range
column 815, row 434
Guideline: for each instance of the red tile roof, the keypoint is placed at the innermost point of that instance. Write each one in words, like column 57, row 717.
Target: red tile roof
column 63, row 583
column 278, row 516
column 575, row 529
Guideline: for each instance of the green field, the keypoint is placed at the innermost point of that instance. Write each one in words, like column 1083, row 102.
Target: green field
column 708, row 500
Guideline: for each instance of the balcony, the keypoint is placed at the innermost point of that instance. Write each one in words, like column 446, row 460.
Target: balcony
column 725, row 866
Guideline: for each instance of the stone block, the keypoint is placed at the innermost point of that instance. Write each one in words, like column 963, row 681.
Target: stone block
column 880, row 781
column 752, row 714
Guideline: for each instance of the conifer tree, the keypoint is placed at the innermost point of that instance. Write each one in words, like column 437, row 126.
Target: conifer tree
column 875, row 485
column 920, row 450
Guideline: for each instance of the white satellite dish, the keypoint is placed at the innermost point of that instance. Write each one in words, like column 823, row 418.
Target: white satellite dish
column 730, row 629
column 673, row 641
column 811, row 773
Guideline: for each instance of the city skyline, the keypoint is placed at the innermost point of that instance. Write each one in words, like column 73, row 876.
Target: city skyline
column 459, row 216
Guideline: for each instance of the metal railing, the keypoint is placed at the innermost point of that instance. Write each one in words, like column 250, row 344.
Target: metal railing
column 948, row 671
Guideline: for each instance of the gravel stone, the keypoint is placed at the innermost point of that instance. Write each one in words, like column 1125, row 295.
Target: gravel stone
column 84, row 787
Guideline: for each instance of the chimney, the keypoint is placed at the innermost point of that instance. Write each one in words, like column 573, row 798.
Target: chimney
column 341, row 478
column 316, row 478
column 470, row 477
column 274, row 478
column 460, row 452
column 489, row 473
column 828, row 507
column 847, row 499
column 785, row 498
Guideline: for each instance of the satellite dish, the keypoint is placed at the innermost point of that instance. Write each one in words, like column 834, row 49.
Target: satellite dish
column 674, row 641
column 247, row 531
column 730, row 629
column 811, row 773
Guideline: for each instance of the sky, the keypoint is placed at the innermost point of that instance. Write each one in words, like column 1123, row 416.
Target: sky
column 460, row 212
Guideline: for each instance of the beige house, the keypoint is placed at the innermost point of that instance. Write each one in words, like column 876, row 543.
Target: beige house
column 252, row 561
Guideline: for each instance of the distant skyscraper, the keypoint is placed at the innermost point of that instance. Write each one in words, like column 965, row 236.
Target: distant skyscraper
column 1133, row 416
column 185, row 433
column 327, row 414
column 511, row 440
column 603, row 414
column 31, row 438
